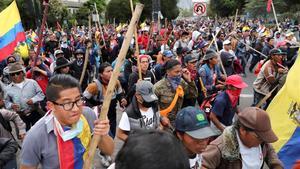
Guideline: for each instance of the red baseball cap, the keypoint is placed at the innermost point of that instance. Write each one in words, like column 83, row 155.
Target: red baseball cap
column 236, row 81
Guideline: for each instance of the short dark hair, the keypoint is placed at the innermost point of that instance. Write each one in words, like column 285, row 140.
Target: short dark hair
column 59, row 83
column 171, row 63
column 152, row 149
column 103, row 66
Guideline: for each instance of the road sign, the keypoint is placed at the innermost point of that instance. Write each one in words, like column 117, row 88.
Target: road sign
column 200, row 8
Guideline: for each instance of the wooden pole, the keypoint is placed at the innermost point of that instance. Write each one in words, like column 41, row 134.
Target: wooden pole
column 87, row 53
column 262, row 101
column 100, row 27
column 219, row 57
column 235, row 19
column 150, row 36
column 275, row 16
column 41, row 35
column 137, row 51
column 112, row 83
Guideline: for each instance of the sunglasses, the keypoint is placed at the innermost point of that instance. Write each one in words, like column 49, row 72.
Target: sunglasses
column 16, row 73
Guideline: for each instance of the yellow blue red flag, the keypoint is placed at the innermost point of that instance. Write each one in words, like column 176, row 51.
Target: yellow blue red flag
column 284, row 112
column 11, row 30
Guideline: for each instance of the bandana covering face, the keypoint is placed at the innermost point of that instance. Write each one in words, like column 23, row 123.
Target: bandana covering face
column 175, row 81
column 72, row 143
column 234, row 96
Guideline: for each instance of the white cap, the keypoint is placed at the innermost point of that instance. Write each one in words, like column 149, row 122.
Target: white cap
column 226, row 42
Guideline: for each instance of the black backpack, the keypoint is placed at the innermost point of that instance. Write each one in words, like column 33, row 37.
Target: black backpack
column 5, row 123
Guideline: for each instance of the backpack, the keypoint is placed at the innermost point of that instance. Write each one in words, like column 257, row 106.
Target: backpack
column 207, row 104
column 5, row 123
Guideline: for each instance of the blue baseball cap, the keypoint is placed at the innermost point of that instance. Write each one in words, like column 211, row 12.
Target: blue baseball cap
column 193, row 122
column 168, row 53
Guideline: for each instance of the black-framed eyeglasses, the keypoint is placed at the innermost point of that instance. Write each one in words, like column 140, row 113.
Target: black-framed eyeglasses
column 69, row 106
column 16, row 73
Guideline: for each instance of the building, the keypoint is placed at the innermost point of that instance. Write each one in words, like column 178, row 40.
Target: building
column 73, row 5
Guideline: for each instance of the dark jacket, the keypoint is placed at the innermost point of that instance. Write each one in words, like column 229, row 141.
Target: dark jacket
column 8, row 149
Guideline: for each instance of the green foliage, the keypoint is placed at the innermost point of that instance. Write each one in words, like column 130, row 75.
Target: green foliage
column 186, row 12
column 87, row 8
column 118, row 10
column 57, row 13
column 259, row 7
column 224, row 8
column 169, row 9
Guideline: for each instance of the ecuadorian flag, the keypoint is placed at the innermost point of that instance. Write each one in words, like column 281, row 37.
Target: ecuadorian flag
column 284, row 112
column 11, row 30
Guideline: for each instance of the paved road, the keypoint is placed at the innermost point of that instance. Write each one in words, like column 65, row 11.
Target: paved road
column 245, row 101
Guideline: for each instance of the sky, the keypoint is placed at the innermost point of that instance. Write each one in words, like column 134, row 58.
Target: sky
column 185, row 3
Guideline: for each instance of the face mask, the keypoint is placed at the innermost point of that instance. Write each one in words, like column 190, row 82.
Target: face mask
column 175, row 81
column 235, row 93
column 80, row 62
column 69, row 134
column 148, row 104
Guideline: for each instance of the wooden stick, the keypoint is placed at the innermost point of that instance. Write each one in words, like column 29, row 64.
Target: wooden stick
column 275, row 16
column 150, row 36
column 262, row 101
column 87, row 53
column 203, row 89
column 250, row 47
column 219, row 57
column 213, row 39
column 137, row 51
column 235, row 18
column 112, row 83
column 100, row 27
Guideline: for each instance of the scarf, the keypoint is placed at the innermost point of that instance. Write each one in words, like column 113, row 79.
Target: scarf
column 193, row 73
column 234, row 96
column 72, row 143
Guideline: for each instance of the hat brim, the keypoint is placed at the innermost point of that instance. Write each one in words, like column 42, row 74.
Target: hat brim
column 268, row 136
column 15, row 71
column 202, row 133
column 61, row 66
column 150, row 97
column 241, row 85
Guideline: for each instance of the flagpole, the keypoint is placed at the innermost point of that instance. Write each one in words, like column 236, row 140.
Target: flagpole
column 46, row 4
column 274, row 12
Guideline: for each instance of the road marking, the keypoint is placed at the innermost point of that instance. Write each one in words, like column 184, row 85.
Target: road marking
column 247, row 95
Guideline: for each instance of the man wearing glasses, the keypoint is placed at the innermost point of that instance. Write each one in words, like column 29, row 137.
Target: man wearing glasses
column 61, row 138
column 246, row 144
column 23, row 95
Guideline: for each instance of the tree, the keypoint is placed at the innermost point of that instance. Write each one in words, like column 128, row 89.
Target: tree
column 169, row 9
column 259, row 7
column 118, row 10
column 57, row 13
column 87, row 8
column 186, row 12
column 224, row 8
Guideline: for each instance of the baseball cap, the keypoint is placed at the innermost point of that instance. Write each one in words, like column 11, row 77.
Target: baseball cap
column 259, row 121
column 145, row 88
column 193, row 122
column 189, row 58
column 226, row 42
column 277, row 52
column 168, row 53
column 236, row 81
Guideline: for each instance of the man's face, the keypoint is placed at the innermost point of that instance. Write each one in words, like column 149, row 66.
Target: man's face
column 246, row 33
column 106, row 73
column 193, row 145
column 65, row 70
column 192, row 65
column 67, row 117
column 144, row 64
column 31, row 54
column 213, row 60
column 17, row 77
column 271, row 42
column 79, row 56
column 227, row 47
column 277, row 58
column 175, row 71
column 249, row 138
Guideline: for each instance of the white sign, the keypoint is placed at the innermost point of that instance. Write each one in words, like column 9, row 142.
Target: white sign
column 199, row 8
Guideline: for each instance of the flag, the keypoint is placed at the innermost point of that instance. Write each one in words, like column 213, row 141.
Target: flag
column 284, row 112
column 269, row 5
column 11, row 30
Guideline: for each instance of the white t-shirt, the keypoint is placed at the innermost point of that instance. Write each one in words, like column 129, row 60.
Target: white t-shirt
column 148, row 117
column 252, row 158
column 195, row 163
column 20, row 85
